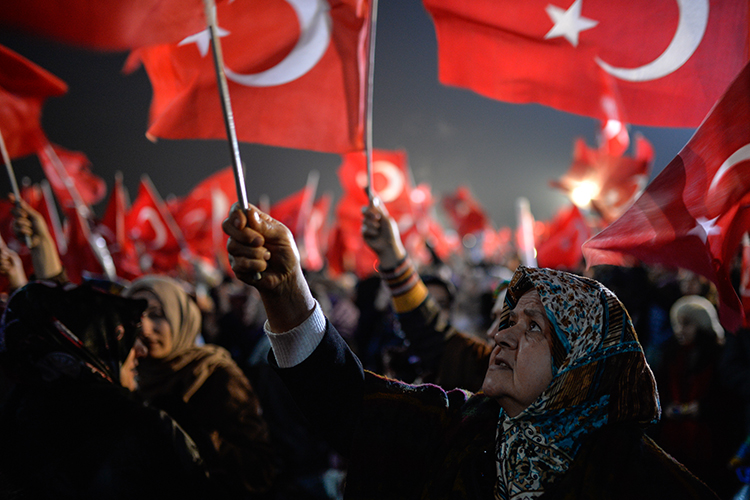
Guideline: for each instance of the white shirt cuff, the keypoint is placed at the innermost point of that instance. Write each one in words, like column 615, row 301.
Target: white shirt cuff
column 294, row 346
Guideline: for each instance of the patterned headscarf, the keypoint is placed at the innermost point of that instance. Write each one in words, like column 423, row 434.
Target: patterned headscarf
column 600, row 376
column 187, row 366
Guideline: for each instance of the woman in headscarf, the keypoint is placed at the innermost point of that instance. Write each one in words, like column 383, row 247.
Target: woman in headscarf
column 203, row 389
column 69, row 429
column 562, row 413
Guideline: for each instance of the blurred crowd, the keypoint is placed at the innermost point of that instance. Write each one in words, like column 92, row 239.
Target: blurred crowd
column 198, row 362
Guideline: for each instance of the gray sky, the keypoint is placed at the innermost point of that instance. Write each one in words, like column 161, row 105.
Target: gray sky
column 452, row 136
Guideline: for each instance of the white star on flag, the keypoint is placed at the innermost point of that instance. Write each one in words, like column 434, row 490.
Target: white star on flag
column 203, row 39
column 704, row 228
column 568, row 23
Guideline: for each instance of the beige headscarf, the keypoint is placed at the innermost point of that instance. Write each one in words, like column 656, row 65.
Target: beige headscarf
column 187, row 366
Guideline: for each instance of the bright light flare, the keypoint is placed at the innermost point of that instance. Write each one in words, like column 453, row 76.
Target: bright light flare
column 582, row 194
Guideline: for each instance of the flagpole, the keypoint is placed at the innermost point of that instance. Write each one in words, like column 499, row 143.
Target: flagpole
column 226, row 105
column 239, row 173
column 13, row 181
column 368, row 110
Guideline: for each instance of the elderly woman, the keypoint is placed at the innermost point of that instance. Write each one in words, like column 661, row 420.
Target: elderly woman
column 561, row 414
column 69, row 429
column 202, row 388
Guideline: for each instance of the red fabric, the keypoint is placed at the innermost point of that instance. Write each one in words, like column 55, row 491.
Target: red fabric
column 199, row 216
column 498, row 49
column 315, row 235
column 112, row 228
column 91, row 188
column 289, row 210
column 24, row 87
column 465, row 212
column 709, row 183
column 80, row 258
column 561, row 247
column 105, row 24
column 149, row 222
column 619, row 179
column 318, row 109
column 40, row 198
column 390, row 182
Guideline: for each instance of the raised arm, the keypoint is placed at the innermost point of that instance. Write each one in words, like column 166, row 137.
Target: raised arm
column 29, row 225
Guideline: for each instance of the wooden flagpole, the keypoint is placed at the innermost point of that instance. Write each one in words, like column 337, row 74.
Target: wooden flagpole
column 368, row 97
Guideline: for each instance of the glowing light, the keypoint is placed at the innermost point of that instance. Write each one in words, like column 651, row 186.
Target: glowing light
column 582, row 194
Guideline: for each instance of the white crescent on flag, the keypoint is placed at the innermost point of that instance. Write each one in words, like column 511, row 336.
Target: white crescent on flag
column 690, row 30
column 150, row 215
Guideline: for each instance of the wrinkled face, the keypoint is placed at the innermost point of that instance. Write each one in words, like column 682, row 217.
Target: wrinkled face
column 521, row 362
column 156, row 331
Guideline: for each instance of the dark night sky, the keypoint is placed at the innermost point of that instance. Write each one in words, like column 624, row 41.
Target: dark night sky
column 452, row 136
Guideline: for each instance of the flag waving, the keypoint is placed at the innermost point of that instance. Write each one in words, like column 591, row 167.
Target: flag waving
column 694, row 213
column 24, row 87
column 300, row 86
column 660, row 55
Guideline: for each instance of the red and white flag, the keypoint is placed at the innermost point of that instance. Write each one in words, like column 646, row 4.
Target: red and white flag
column 114, row 25
column 391, row 182
column 112, row 228
column 80, row 259
column 149, row 223
column 70, row 176
column 669, row 61
column 560, row 246
column 199, row 215
column 610, row 183
column 315, row 235
column 24, row 87
column 694, row 213
column 300, row 86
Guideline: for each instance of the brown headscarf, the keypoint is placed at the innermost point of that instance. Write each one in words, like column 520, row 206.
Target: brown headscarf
column 187, row 366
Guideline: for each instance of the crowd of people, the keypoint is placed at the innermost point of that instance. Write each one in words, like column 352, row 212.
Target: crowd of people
column 449, row 380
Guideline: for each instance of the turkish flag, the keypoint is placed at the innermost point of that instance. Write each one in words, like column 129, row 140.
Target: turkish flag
column 301, row 86
column 68, row 171
column 694, row 213
column 315, row 235
column 669, row 61
column 290, row 210
column 613, row 181
column 390, row 182
column 80, row 259
column 465, row 212
column 560, row 248
column 114, row 25
column 112, row 228
column 199, row 215
column 149, row 223
column 24, row 87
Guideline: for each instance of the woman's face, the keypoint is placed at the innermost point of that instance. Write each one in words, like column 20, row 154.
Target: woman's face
column 521, row 362
column 685, row 330
column 129, row 369
column 156, row 331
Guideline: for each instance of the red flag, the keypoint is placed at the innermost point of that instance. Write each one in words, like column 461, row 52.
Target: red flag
column 70, row 175
column 24, row 87
column 610, row 183
column 315, row 235
column 465, row 212
column 149, row 223
column 301, row 85
column 561, row 246
column 288, row 210
column 199, row 215
column 105, row 24
column 113, row 230
column 40, row 198
column 390, row 182
column 694, row 213
column 80, row 258
column 669, row 61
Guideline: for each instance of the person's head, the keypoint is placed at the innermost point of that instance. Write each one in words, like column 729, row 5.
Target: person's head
column 565, row 340
column 694, row 317
column 171, row 321
column 497, row 309
column 49, row 331
column 443, row 291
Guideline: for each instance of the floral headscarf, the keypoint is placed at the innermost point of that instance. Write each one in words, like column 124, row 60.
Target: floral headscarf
column 600, row 376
